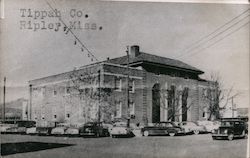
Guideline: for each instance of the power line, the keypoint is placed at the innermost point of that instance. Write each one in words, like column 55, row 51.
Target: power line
column 191, row 47
column 68, row 29
column 213, row 37
column 198, row 51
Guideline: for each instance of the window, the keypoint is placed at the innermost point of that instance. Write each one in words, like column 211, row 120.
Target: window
column 55, row 92
column 131, row 86
column 118, row 111
column 203, row 114
column 118, row 84
column 204, row 92
column 132, row 108
column 67, row 90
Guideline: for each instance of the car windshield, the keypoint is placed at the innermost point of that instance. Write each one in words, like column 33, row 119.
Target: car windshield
column 166, row 124
column 227, row 123
column 191, row 124
column 120, row 124
column 90, row 124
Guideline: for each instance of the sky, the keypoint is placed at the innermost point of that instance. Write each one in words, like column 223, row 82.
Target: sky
column 164, row 29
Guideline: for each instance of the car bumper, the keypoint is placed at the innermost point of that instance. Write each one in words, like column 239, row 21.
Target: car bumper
column 219, row 135
column 87, row 134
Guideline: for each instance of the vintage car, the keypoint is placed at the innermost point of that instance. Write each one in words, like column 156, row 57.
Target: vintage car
column 20, row 126
column 231, row 129
column 44, row 130
column 95, row 129
column 31, row 131
column 5, row 127
column 209, row 125
column 58, row 130
column 72, row 131
column 120, row 129
column 162, row 128
column 191, row 127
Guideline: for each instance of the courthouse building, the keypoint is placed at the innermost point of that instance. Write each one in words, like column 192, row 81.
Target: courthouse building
column 160, row 89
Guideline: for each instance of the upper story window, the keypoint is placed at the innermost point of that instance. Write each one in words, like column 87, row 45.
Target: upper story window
column 131, row 86
column 67, row 91
column 54, row 92
column 118, row 84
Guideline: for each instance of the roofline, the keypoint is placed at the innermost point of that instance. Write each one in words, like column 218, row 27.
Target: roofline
column 83, row 67
column 166, row 65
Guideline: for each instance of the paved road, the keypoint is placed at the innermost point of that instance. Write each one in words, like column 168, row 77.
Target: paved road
column 192, row 146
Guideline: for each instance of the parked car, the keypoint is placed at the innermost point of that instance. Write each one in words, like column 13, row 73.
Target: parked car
column 57, row 131
column 44, row 130
column 4, row 127
column 72, row 131
column 231, row 129
column 16, row 130
column 163, row 128
column 95, row 129
column 121, row 129
column 192, row 127
column 19, row 127
column 209, row 125
column 31, row 131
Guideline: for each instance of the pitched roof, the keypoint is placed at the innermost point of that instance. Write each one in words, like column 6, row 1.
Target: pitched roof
column 145, row 57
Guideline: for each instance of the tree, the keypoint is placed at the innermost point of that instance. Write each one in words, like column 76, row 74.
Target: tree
column 217, row 97
column 96, row 102
column 177, row 102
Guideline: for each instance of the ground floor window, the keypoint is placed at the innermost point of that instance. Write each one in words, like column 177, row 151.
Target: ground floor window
column 132, row 108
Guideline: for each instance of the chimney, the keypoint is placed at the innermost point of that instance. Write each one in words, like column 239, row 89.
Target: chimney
column 134, row 51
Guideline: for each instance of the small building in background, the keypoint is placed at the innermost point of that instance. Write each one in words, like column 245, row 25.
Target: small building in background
column 160, row 89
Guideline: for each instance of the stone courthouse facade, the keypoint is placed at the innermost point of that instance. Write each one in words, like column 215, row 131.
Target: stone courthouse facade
column 160, row 89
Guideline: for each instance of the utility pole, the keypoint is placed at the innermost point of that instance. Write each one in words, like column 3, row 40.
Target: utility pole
column 30, row 103
column 232, row 107
column 99, row 95
column 4, row 92
column 128, row 121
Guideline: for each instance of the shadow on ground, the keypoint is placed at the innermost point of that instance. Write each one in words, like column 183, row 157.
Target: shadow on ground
column 23, row 147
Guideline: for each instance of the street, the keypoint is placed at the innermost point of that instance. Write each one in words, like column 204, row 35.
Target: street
column 190, row 146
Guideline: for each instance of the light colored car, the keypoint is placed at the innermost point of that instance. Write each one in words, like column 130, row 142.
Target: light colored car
column 209, row 125
column 31, row 130
column 59, row 130
column 72, row 131
column 191, row 127
column 5, row 127
column 120, row 129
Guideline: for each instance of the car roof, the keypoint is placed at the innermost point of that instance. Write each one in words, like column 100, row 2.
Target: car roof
column 232, row 120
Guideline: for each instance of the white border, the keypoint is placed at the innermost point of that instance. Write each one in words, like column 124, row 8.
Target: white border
column 189, row 1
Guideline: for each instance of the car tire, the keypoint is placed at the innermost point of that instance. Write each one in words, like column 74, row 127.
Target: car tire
column 230, row 137
column 172, row 134
column 112, row 136
column 244, row 134
column 146, row 133
column 196, row 132
column 214, row 138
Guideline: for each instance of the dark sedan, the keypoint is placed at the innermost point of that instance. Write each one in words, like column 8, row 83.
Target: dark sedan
column 94, row 129
column 162, row 128
column 231, row 129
